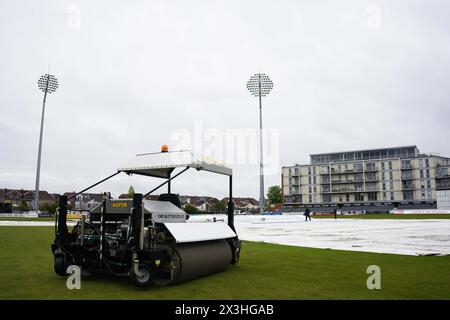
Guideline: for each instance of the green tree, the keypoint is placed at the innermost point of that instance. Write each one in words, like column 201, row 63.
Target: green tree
column 190, row 209
column 274, row 195
column 50, row 207
column 131, row 192
column 24, row 206
column 219, row 206
column 45, row 207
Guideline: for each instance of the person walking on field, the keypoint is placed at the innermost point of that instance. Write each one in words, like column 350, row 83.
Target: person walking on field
column 307, row 214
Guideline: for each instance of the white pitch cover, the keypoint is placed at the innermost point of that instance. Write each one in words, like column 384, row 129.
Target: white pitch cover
column 199, row 231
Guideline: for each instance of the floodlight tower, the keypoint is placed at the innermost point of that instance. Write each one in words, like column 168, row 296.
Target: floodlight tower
column 260, row 85
column 48, row 84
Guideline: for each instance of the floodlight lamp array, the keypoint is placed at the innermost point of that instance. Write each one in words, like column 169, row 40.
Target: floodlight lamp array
column 48, row 83
column 259, row 84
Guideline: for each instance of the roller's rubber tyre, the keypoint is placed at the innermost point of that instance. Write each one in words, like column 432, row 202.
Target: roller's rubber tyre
column 147, row 276
column 60, row 266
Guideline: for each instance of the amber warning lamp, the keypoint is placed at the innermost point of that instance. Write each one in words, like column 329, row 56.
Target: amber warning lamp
column 164, row 148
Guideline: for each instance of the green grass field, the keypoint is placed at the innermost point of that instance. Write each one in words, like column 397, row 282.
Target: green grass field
column 266, row 271
column 26, row 219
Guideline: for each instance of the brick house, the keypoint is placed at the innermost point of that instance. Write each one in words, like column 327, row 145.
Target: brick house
column 17, row 197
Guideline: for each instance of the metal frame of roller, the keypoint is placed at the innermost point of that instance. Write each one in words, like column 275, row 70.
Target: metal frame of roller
column 148, row 240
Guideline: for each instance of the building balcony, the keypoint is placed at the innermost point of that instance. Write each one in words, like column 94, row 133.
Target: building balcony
column 348, row 171
column 292, row 199
column 343, row 190
column 341, row 172
column 442, row 174
column 342, row 181
column 443, row 185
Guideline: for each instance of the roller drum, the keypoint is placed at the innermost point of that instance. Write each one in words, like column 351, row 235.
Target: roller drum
column 198, row 259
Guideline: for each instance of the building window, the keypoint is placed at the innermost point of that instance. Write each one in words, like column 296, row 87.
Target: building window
column 408, row 195
column 384, row 186
column 390, row 165
column 429, row 184
column 391, row 185
column 372, row 196
column 347, row 197
column 391, row 176
column 309, row 170
column 314, row 179
column 427, row 163
column 359, row 197
column 392, row 196
column 428, row 173
column 327, row 198
column 310, row 199
column 406, row 164
column 314, row 170
column 371, row 186
column 370, row 166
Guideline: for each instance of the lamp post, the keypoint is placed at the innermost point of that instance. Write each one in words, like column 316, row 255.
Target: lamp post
column 259, row 86
column 47, row 83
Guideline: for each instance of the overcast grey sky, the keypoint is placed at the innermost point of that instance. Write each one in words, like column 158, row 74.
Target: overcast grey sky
column 347, row 74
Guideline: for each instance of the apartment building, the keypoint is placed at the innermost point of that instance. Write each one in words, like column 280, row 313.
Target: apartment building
column 376, row 179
